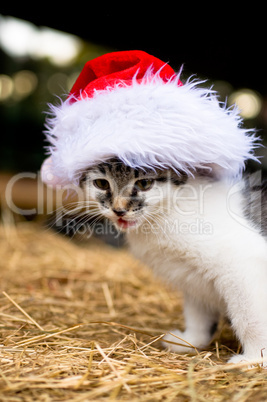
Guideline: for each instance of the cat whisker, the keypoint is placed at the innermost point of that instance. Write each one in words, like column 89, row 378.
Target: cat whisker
column 72, row 210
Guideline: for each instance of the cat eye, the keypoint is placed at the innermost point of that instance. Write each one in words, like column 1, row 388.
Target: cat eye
column 102, row 184
column 144, row 184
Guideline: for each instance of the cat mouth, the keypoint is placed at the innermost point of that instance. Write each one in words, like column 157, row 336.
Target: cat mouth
column 124, row 224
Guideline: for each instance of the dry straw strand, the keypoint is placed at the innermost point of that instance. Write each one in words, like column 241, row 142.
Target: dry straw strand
column 23, row 311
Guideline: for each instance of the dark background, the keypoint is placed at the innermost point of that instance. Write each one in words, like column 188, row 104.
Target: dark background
column 213, row 43
column 218, row 42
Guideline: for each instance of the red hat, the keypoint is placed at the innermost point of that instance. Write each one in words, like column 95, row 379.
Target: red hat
column 118, row 67
column 133, row 106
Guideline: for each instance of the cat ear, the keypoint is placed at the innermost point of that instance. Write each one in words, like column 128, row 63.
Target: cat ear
column 47, row 174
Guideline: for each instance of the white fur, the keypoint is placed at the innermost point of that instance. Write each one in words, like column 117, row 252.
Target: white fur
column 221, row 267
column 148, row 123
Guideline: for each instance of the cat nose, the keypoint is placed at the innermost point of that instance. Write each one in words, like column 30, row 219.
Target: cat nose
column 119, row 212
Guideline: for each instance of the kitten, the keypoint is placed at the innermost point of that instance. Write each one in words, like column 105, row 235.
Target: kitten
column 196, row 234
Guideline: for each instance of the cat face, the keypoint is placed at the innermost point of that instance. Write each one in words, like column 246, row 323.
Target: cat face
column 125, row 195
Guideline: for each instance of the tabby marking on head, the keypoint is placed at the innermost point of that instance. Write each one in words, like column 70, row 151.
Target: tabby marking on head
column 126, row 195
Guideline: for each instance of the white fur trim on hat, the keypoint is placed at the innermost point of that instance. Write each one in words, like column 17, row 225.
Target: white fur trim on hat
column 147, row 124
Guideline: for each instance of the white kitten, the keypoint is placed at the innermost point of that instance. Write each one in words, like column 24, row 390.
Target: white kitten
column 195, row 234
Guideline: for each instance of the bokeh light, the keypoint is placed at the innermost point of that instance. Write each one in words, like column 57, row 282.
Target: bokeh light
column 25, row 83
column 248, row 102
column 6, row 87
column 20, row 38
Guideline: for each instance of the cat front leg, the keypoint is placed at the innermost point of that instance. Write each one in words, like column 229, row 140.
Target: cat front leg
column 252, row 334
column 200, row 324
column 245, row 292
column 251, row 330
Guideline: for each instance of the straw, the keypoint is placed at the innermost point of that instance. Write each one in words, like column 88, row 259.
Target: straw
column 83, row 321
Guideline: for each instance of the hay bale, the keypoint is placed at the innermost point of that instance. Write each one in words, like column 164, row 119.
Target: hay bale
column 83, row 322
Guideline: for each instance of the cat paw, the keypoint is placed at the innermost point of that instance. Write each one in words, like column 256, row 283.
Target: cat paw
column 250, row 361
column 177, row 342
column 235, row 359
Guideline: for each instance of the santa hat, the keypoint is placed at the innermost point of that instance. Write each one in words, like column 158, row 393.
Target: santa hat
column 133, row 106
